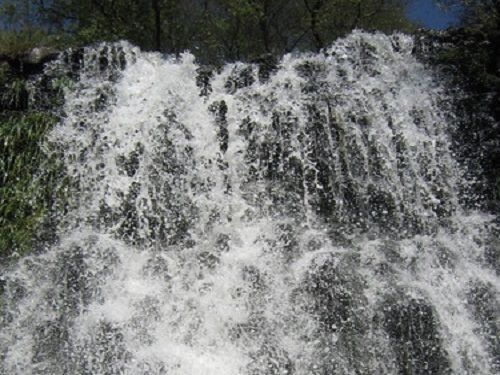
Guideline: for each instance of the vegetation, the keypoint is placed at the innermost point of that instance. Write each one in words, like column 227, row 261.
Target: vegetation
column 20, row 29
column 28, row 177
column 16, row 43
column 472, row 54
column 214, row 30
column 21, row 192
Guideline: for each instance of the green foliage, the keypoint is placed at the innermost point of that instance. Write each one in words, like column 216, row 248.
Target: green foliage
column 214, row 30
column 22, row 192
column 4, row 73
column 85, row 22
column 32, row 181
column 14, row 44
column 331, row 19
column 21, row 29
column 247, row 29
column 15, row 89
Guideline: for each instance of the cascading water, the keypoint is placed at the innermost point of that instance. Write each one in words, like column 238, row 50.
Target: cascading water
column 299, row 220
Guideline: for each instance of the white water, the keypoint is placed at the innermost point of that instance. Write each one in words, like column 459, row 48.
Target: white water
column 308, row 225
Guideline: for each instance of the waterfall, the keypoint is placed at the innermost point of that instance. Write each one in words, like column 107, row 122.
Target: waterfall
column 304, row 218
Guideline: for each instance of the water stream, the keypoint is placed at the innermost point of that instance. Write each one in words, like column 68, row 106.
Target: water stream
column 301, row 219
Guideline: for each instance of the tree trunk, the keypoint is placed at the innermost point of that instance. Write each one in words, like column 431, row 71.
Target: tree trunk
column 314, row 10
column 157, row 24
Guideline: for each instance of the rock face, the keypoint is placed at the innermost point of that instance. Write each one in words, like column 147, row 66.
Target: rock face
column 21, row 69
column 39, row 55
column 469, row 60
column 31, row 62
column 414, row 333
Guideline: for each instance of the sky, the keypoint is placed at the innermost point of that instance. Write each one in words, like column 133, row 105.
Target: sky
column 429, row 15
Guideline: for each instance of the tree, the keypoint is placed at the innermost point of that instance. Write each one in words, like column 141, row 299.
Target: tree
column 216, row 30
column 326, row 20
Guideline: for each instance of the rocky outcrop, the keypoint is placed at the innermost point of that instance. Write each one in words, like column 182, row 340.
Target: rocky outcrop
column 30, row 62
column 470, row 59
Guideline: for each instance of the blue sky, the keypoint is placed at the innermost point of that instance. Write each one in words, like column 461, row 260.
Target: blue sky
column 429, row 15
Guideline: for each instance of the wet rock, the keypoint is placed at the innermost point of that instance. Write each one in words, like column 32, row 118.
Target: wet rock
column 208, row 259
column 413, row 330
column 51, row 340
column 492, row 251
column 108, row 351
column 220, row 111
column 77, row 282
column 254, row 278
column 382, row 208
column 485, row 306
column 268, row 64
column 222, row 242
column 467, row 60
column 249, row 330
column 130, row 164
column 40, row 55
column 31, row 62
column 310, row 69
column 240, row 78
column 204, row 75
column 74, row 59
column 270, row 360
column 157, row 266
column 338, row 304
column 338, row 295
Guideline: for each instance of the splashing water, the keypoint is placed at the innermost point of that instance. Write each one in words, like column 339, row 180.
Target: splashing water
column 303, row 219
